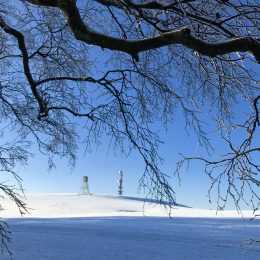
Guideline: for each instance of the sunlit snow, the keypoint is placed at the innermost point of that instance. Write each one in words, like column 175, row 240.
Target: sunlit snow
column 75, row 227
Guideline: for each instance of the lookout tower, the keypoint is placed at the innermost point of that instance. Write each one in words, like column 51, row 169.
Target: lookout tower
column 84, row 187
column 120, row 183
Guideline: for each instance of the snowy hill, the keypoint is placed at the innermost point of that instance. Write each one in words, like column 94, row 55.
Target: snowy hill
column 73, row 227
column 72, row 205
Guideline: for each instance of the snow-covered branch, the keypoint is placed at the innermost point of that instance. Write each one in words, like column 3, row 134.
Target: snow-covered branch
column 183, row 36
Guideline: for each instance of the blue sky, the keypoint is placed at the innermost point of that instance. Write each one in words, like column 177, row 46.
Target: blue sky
column 102, row 167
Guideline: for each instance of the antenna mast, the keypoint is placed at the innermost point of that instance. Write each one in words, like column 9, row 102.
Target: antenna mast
column 120, row 183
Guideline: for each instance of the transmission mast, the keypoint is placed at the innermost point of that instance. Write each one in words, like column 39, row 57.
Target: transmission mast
column 120, row 183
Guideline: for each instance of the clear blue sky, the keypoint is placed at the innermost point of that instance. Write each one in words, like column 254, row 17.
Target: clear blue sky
column 102, row 168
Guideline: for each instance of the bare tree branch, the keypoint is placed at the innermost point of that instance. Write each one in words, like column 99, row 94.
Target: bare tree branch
column 20, row 38
column 182, row 36
column 196, row 65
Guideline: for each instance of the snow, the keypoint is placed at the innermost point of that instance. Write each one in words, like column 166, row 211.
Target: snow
column 72, row 227
column 72, row 205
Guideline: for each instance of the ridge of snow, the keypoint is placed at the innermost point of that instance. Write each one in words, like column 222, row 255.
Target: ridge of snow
column 74, row 205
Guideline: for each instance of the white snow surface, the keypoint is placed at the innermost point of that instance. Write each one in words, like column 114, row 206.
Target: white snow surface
column 73, row 205
column 77, row 227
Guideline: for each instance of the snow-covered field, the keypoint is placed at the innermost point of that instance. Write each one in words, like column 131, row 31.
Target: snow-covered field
column 72, row 227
